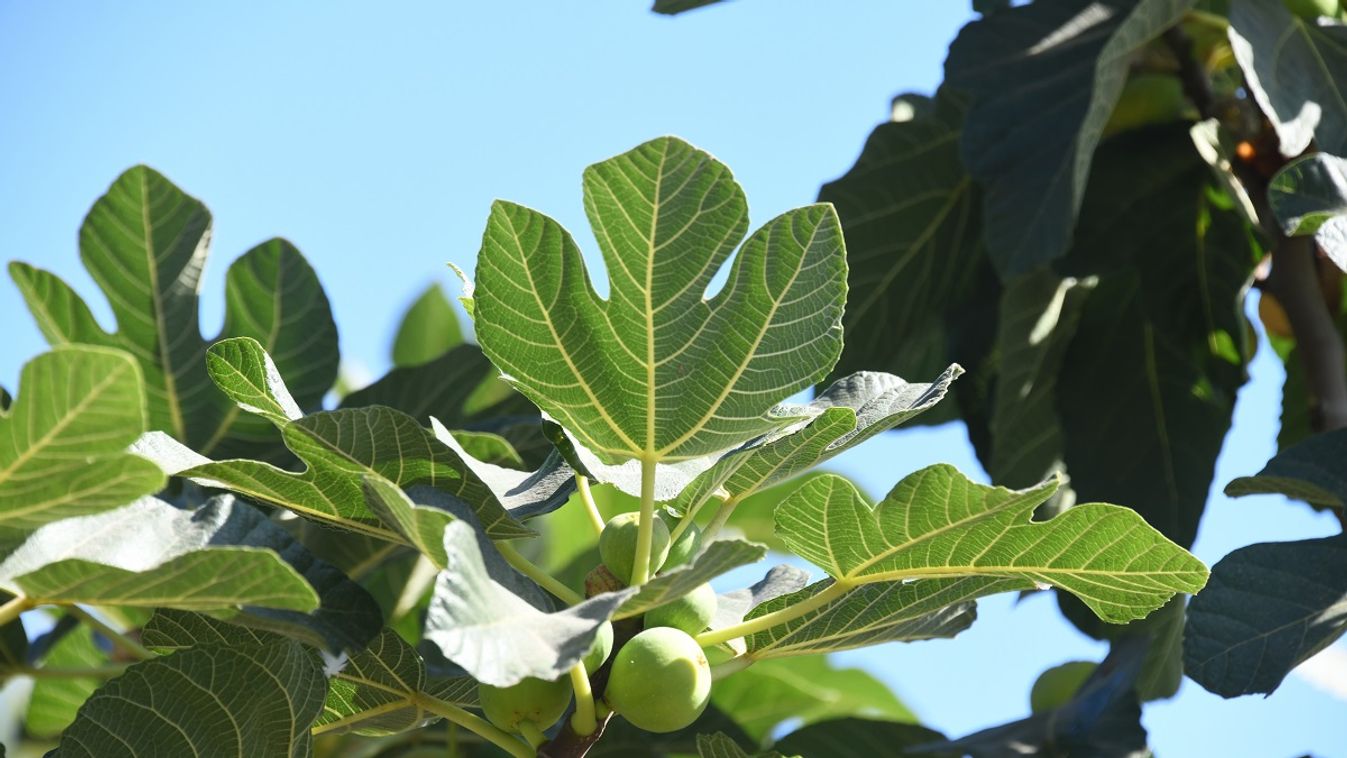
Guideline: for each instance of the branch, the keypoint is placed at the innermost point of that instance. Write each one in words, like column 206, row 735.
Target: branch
column 1294, row 281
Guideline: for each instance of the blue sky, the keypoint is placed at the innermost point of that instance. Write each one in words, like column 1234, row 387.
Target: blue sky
column 375, row 137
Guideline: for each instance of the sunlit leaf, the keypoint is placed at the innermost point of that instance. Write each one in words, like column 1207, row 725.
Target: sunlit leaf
column 852, row 410
column 151, row 554
column 936, row 524
column 428, row 330
column 656, row 372
column 715, row 559
column 490, row 621
column 145, row 243
column 63, row 443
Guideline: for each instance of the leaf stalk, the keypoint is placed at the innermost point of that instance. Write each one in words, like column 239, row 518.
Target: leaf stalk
column 583, row 721
column 587, row 499
column 769, row 620
column 483, row 728
column 532, row 571
column 640, row 569
column 14, row 608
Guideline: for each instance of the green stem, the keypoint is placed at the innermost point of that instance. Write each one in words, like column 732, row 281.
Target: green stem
column 13, row 609
column 117, row 638
column 690, row 517
column 356, row 718
column 530, row 731
column 718, row 521
column 544, row 579
column 587, row 498
column 583, row 721
column 455, row 715
column 769, row 620
column 640, row 569
column 56, row 672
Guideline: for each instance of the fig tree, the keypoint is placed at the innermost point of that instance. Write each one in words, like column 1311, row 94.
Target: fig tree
column 690, row 613
column 536, row 700
column 660, row 680
column 617, row 543
column 598, row 652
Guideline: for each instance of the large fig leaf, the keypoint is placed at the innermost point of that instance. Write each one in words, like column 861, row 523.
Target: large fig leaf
column 63, row 443
column 151, row 554
column 256, row 699
column 488, row 620
column 938, row 524
column 1162, row 336
column 1268, row 608
column 340, row 447
column 145, row 243
column 657, row 372
column 1044, row 78
column 914, row 246
column 852, row 410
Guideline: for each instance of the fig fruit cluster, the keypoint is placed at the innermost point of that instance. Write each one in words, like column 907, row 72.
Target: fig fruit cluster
column 659, row 680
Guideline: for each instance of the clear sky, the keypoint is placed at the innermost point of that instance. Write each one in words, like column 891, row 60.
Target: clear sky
column 376, row 135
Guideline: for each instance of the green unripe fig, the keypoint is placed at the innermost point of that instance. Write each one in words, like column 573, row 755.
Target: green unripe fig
column 1312, row 9
column 660, row 680
column 536, row 700
column 598, row 652
column 617, row 544
column 681, row 551
column 690, row 613
column 1056, row 686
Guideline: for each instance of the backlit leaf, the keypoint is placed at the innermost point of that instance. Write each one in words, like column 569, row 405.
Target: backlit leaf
column 145, row 243
column 938, row 524
column 63, row 443
column 656, row 372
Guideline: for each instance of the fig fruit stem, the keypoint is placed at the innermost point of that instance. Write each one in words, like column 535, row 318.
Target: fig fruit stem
column 14, row 608
column 473, row 723
column 587, row 498
column 117, row 638
column 690, row 517
column 769, row 620
column 583, row 721
column 532, row 733
column 640, row 569
column 532, row 571
column 718, row 521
